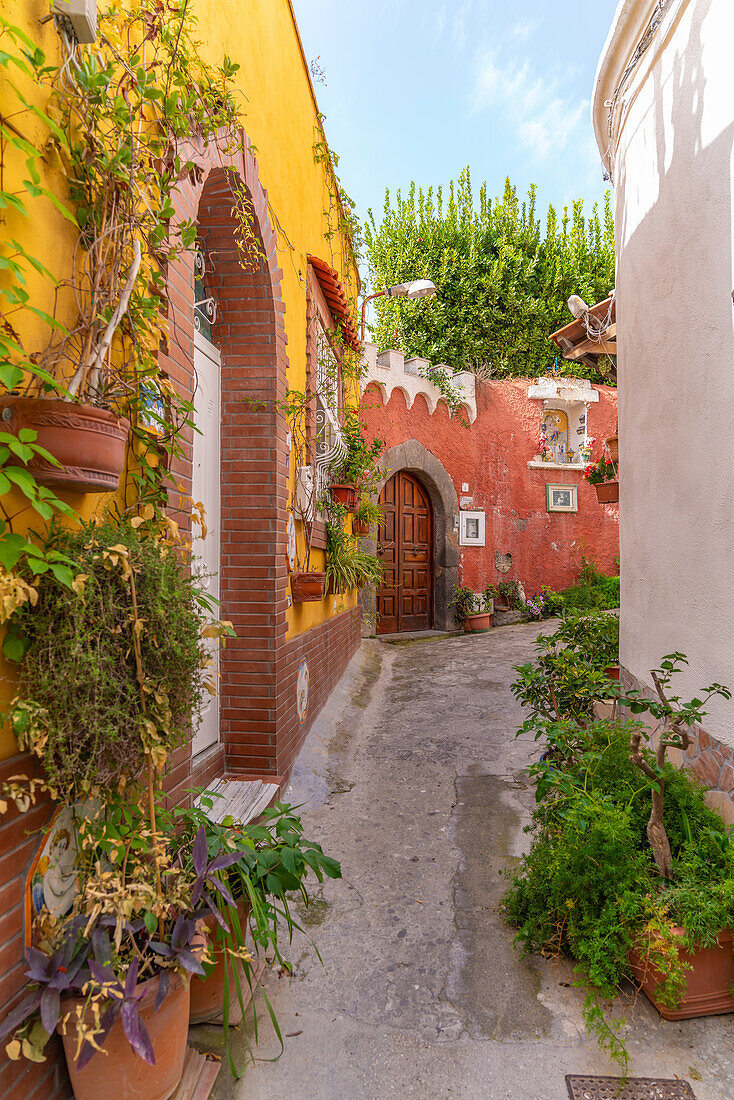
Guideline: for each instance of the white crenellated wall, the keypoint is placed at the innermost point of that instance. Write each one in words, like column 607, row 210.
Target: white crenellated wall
column 392, row 371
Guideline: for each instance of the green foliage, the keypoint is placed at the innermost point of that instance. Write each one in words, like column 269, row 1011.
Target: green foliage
column 502, row 278
column 347, row 565
column 275, row 860
column 359, row 464
column 593, row 592
column 507, row 593
column 466, row 602
column 368, row 510
column 600, row 471
column 443, row 381
column 80, row 704
column 84, row 116
column 589, row 887
column 566, row 679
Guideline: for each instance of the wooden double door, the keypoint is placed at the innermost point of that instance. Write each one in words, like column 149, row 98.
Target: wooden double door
column 405, row 548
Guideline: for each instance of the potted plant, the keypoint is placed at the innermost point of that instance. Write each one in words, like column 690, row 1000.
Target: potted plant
column 112, row 974
column 612, row 444
column 307, row 585
column 546, row 455
column 366, row 514
column 507, row 595
column 356, row 468
column 347, row 565
column 471, row 610
column 603, row 476
column 274, row 861
column 585, row 448
column 629, row 872
column 110, row 663
column 81, row 386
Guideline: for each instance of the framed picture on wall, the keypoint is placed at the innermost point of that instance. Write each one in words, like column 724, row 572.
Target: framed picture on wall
column 561, row 498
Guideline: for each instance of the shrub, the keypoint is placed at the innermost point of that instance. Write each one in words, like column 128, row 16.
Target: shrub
column 623, row 844
column 80, row 703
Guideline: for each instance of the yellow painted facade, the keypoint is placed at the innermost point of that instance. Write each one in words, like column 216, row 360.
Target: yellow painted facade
column 280, row 116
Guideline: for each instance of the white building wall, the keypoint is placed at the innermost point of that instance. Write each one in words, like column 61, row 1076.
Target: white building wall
column 670, row 157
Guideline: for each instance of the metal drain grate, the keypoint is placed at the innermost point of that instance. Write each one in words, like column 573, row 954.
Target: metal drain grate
column 636, row 1088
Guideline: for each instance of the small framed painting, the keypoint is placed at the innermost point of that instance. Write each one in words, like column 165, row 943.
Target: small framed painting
column 561, row 498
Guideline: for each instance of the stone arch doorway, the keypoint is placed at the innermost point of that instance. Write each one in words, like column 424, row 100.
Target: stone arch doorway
column 405, row 548
column 413, row 458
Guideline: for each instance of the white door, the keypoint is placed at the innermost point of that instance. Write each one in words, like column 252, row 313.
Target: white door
column 207, row 489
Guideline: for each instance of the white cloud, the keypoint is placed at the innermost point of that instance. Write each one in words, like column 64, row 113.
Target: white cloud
column 521, row 31
column 439, row 22
column 544, row 119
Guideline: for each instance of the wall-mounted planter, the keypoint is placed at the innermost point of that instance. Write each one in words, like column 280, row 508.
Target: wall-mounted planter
column 708, row 982
column 360, row 529
column 87, row 441
column 613, row 448
column 344, row 494
column 607, row 492
column 117, row 1070
column 478, row 624
column 307, row 587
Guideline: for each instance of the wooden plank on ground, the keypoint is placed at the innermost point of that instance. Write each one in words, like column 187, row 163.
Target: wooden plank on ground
column 241, row 799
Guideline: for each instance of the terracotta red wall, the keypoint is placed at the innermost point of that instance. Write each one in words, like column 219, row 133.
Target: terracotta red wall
column 492, row 457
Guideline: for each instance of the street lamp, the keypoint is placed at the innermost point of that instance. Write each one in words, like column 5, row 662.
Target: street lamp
column 417, row 288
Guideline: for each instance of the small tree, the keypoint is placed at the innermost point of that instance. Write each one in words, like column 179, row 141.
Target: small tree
column 675, row 719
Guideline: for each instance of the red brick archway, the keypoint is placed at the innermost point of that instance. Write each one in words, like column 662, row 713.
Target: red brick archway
column 249, row 332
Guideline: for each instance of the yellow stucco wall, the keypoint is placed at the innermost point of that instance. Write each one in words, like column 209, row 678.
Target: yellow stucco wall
column 281, row 121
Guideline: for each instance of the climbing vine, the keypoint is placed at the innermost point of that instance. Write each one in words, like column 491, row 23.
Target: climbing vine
column 121, row 122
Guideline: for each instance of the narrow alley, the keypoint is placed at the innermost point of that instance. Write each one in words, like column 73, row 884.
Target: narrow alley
column 413, row 778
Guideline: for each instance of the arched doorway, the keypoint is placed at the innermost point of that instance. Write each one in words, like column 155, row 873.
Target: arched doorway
column 405, row 548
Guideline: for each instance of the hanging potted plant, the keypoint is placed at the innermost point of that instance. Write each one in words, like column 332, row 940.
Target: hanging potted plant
column 356, row 468
column 307, row 585
column 366, row 515
column 603, row 476
column 612, row 445
column 87, row 379
column 347, row 565
column 472, row 611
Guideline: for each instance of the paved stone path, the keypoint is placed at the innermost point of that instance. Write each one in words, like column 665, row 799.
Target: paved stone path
column 412, row 777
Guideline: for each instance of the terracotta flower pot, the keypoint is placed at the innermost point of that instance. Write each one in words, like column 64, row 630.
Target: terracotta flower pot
column 207, row 994
column 344, row 494
column 307, row 587
column 361, row 529
column 119, row 1072
column 612, row 672
column 478, row 624
column 708, row 982
column 87, row 441
column 607, row 492
column 613, row 447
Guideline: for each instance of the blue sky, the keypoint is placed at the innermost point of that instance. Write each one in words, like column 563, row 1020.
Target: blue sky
column 418, row 90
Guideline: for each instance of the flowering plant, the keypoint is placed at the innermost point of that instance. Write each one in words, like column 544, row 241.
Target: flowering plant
column 585, row 448
column 545, row 454
column 602, row 470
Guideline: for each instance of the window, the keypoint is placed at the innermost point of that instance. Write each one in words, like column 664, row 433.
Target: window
column 471, row 528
